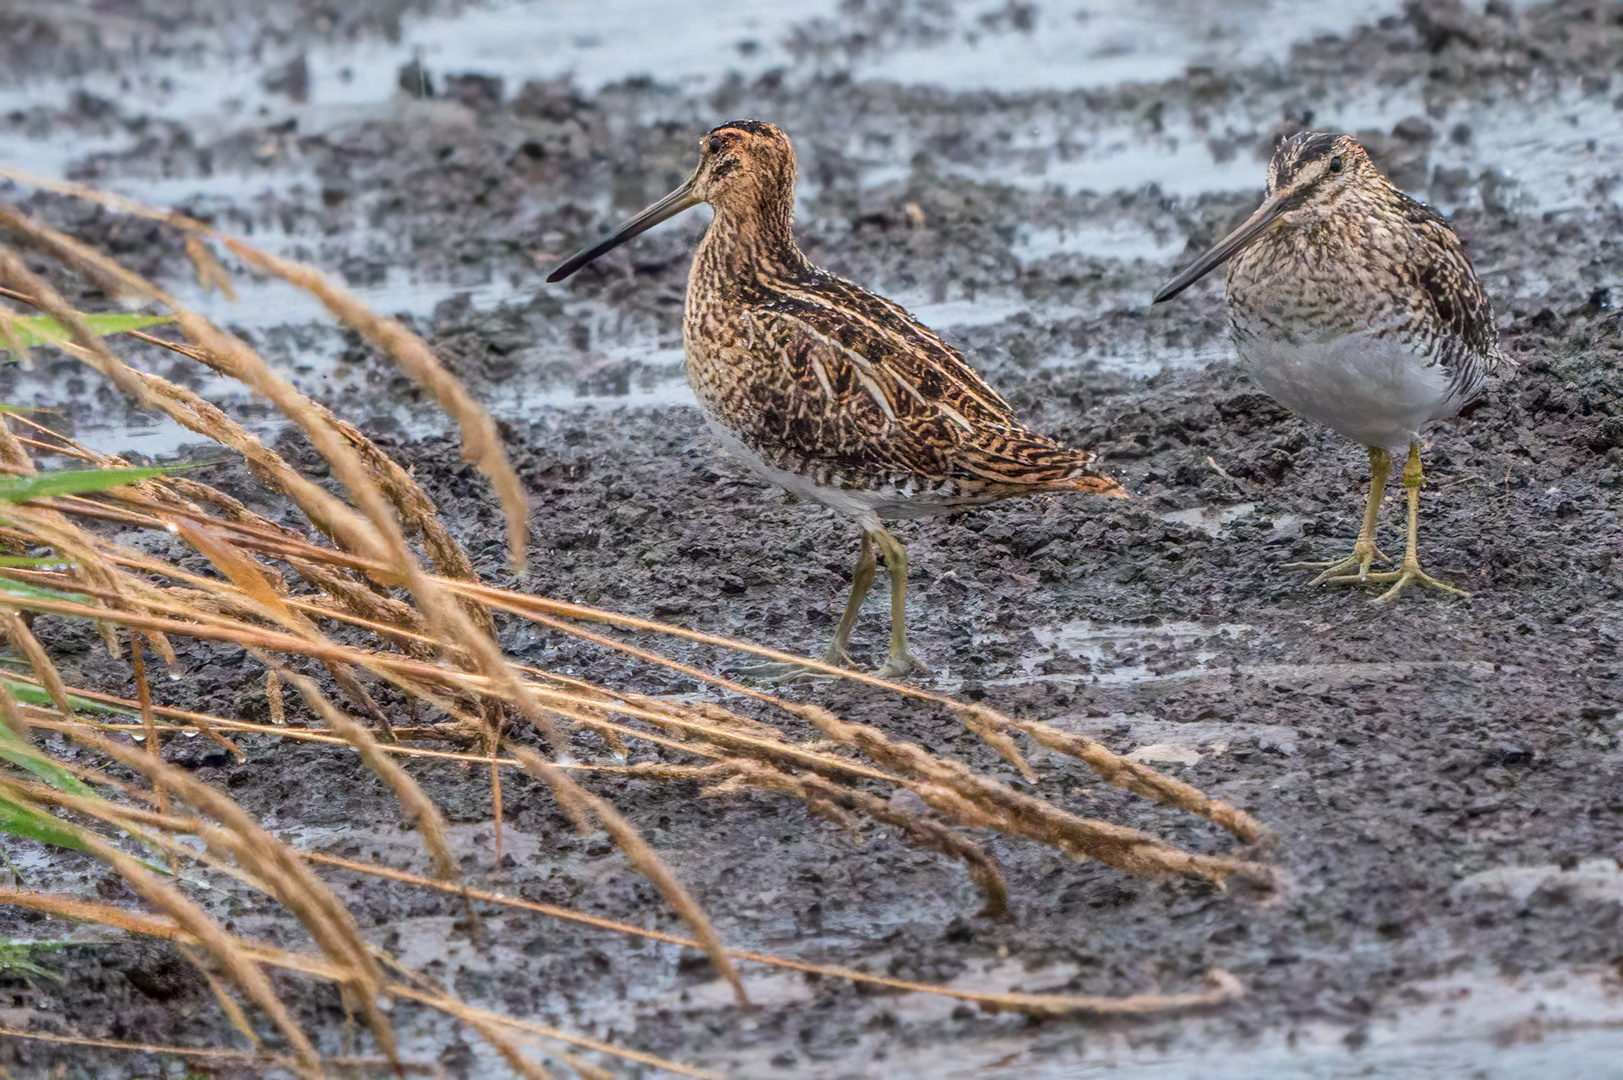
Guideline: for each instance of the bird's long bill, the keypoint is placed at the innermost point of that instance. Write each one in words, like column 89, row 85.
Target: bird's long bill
column 1225, row 249
column 668, row 207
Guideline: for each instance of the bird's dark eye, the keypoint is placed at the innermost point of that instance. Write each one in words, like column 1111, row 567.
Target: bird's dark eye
column 1335, row 162
column 715, row 144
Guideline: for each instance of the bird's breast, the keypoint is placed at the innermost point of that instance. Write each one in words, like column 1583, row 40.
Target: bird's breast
column 1375, row 390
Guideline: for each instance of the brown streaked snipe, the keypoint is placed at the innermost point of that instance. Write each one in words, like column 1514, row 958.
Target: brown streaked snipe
column 827, row 390
column 1355, row 306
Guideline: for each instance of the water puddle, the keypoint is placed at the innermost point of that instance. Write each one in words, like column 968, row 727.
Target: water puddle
column 592, row 42
column 1213, row 520
column 268, row 303
column 1143, row 731
column 1117, row 654
column 1121, row 653
column 1559, row 154
column 1074, row 46
column 962, row 314
column 1209, row 519
column 1122, row 240
column 1592, row 879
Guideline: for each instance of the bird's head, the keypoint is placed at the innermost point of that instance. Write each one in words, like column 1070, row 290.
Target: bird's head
column 1313, row 171
column 745, row 166
column 1308, row 176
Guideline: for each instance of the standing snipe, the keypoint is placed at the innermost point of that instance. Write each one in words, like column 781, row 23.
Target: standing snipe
column 827, row 390
column 1355, row 306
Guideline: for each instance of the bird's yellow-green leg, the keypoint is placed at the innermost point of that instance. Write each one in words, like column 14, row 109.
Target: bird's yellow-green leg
column 1409, row 572
column 1355, row 567
column 899, row 663
column 862, row 576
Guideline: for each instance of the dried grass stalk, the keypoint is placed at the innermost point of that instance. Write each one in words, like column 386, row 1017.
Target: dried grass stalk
column 282, row 871
column 419, row 808
column 190, row 918
column 97, row 355
column 588, row 809
column 480, row 442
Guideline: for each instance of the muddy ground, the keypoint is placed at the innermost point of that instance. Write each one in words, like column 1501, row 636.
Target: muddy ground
column 1443, row 776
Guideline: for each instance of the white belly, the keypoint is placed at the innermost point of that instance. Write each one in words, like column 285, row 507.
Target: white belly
column 862, row 506
column 1375, row 391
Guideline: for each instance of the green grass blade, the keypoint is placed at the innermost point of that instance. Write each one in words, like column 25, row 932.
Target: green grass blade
column 29, row 694
column 79, row 481
column 36, row 592
column 17, row 750
column 34, row 330
column 32, row 824
column 17, row 956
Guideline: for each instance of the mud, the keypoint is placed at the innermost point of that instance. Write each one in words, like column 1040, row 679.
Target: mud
column 1443, row 776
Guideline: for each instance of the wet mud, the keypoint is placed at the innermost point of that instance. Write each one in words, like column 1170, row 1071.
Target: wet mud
column 1444, row 778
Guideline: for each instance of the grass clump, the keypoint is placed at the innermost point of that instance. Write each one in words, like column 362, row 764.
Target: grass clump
column 374, row 632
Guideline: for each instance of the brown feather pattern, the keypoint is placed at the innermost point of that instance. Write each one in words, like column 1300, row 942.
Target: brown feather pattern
column 1368, row 257
column 821, row 378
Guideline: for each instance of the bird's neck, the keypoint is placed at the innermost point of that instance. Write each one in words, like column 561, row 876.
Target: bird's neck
column 750, row 241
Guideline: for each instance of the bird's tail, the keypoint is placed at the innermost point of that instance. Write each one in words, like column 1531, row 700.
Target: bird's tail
column 1097, row 485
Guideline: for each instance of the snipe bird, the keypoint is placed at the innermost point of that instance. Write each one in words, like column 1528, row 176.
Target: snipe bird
column 827, row 390
column 1355, row 306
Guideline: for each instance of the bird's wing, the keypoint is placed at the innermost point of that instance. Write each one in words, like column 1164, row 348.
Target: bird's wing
column 853, row 384
column 1450, row 284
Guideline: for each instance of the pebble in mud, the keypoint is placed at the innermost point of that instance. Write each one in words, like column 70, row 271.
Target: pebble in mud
column 1049, row 218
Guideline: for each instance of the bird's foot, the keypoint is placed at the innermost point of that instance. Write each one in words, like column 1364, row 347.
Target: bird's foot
column 783, row 674
column 1349, row 570
column 1407, row 574
column 779, row 673
column 897, row 667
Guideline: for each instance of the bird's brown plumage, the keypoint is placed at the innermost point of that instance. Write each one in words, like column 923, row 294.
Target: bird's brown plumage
column 1355, row 306
column 827, row 389
column 821, row 378
column 1361, row 255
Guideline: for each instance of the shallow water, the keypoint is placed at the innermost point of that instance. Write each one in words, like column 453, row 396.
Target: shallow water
column 1072, row 46
column 1555, row 151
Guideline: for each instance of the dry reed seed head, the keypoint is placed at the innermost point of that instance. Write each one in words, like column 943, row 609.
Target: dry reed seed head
column 14, row 342
column 327, row 919
column 222, row 995
column 243, row 971
column 210, row 274
column 76, row 255
column 480, row 442
column 1142, row 780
